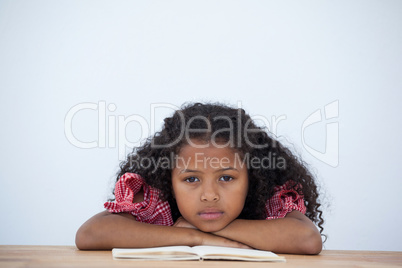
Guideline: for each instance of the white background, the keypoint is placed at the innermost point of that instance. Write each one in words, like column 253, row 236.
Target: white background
column 277, row 58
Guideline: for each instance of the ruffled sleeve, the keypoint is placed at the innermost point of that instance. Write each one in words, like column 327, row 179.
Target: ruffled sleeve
column 152, row 210
column 284, row 200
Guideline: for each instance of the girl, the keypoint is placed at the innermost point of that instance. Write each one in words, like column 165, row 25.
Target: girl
column 210, row 177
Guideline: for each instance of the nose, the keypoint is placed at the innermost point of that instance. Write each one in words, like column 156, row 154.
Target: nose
column 210, row 192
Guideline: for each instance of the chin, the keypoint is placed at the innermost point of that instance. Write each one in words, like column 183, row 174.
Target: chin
column 210, row 228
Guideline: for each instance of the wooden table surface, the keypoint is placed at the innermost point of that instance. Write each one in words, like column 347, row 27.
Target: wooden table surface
column 69, row 256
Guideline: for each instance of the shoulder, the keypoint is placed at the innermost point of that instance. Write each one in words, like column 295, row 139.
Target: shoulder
column 131, row 186
column 285, row 199
column 136, row 197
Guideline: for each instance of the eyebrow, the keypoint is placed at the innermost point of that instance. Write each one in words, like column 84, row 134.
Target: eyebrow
column 228, row 168
column 198, row 171
column 189, row 170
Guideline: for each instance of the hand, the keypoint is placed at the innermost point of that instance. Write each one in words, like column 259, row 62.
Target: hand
column 209, row 239
column 181, row 222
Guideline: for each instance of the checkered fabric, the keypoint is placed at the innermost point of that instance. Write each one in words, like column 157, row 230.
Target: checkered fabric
column 284, row 200
column 153, row 210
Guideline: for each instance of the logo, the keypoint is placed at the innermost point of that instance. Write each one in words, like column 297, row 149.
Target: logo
column 330, row 155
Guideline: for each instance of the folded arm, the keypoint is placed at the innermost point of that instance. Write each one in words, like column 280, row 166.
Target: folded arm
column 294, row 233
column 107, row 230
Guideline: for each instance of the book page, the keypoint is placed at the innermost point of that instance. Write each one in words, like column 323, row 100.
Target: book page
column 157, row 253
column 194, row 253
column 213, row 252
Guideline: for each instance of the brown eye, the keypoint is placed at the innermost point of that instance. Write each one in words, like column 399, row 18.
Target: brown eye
column 191, row 179
column 225, row 178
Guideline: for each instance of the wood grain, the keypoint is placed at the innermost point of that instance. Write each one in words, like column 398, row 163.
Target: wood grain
column 70, row 256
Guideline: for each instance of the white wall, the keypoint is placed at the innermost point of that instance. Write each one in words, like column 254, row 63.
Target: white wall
column 287, row 58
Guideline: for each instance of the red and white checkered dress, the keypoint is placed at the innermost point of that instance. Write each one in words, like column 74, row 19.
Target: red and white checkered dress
column 154, row 211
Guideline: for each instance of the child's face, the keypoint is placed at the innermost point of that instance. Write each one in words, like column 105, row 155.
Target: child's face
column 210, row 186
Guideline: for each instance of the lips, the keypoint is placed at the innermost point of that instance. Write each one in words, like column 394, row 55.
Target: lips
column 210, row 214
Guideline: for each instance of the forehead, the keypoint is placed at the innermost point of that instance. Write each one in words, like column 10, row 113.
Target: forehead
column 207, row 156
column 207, row 149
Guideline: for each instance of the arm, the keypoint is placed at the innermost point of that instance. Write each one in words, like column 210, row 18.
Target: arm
column 106, row 231
column 293, row 234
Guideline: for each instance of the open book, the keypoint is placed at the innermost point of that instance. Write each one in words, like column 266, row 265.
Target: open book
column 195, row 253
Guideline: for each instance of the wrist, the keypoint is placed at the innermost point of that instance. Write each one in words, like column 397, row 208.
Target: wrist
column 195, row 237
column 224, row 230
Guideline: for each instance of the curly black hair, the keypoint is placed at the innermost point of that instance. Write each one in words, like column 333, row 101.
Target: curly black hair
column 219, row 122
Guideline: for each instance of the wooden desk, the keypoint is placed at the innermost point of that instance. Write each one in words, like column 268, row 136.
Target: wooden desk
column 69, row 256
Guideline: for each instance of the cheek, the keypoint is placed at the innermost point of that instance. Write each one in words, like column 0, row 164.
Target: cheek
column 239, row 198
column 177, row 190
column 184, row 198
